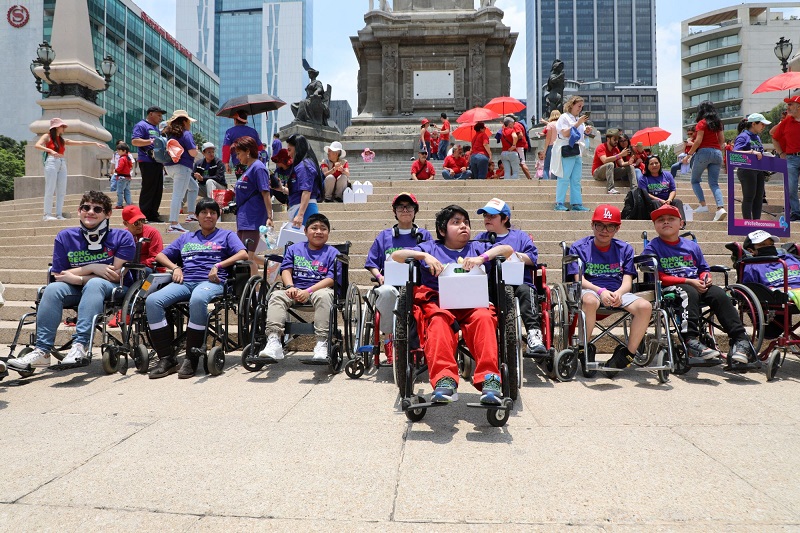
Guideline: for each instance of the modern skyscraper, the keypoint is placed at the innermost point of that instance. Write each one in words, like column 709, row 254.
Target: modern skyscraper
column 255, row 46
column 608, row 49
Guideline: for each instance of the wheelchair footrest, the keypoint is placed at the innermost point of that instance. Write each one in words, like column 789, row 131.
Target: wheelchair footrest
column 651, row 368
column 600, row 366
column 367, row 348
column 733, row 366
column 62, row 366
column 504, row 406
column 426, row 405
column 264, row 360
column 315, row 362
column 699, row 362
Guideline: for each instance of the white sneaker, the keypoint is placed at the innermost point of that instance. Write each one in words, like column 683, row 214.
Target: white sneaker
column 176, row 228
column 191, row 218
column 720, row 215
column 2, row 367
column 536, row 342
column 273, row 349
column 701, row 209
column 48, row 218
column 321, row 351
column 61, row 217
column 76, row 354
column 612, row 190
column 36, row 359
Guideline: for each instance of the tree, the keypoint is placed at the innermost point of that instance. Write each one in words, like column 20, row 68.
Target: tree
column 11, row 167
column 199, row 139
column 666, row 153
column 774, row 115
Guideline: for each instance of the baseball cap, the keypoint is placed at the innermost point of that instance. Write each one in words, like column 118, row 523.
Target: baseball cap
column 155, row 109
column 665, row 210
column 206, row 146
column 132, row 213
column 495, row 206
column 758, row 117
column 607, row 214
column 405, row 196
column 759, row 236
column 282, row 157
column 793, row 99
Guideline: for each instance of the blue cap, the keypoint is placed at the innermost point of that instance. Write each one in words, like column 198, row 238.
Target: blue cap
column 496, row 206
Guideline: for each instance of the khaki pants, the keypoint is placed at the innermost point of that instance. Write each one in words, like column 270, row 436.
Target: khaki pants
column 279, row 303
column 611, row 172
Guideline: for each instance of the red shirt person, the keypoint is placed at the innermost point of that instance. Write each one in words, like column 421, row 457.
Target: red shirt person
column 134, row 221
column 422, row 169
column 786, row 138
column 455, row 165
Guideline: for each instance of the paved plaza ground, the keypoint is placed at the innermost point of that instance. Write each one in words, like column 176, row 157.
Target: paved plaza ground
column 291, row 448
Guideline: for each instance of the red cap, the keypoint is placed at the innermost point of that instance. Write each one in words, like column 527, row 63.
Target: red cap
column 607, row 214
column 407, row 196
column 665, row 210
column 795, row 99
column 132, row 213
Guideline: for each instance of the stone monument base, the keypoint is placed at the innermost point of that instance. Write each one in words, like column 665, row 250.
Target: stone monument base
column 317, row 136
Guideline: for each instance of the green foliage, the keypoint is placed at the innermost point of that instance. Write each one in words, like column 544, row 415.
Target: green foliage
column 199, row 139
column 12, row 165
column 774, row 116
column 667, row 154
column 730, row 135
column 16, row 148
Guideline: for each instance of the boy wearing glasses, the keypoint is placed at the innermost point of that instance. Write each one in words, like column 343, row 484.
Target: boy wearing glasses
column 608, row 274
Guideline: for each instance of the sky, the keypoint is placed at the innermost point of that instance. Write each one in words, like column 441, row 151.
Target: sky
column 336, row 21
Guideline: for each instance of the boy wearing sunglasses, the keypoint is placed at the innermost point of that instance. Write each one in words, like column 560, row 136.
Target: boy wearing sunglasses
column 608, row 273
column 86, row 267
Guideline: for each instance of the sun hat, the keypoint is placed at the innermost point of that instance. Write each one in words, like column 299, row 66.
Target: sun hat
column 336, row 146
column 665, row 210
column 206, row 146
column 607, row 213
column 758, row 117
column 57, row 122
column 180, row 113
column 495, row 206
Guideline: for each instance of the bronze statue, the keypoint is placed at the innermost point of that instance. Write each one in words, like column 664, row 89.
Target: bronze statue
column 315, row 109
column 555, row 87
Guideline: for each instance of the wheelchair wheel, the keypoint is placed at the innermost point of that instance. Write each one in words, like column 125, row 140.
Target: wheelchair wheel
column 252, row 367
column 680, row 360
column 750, row 313
column 414, row 415
column 499, row 417
column 565, row 364
column 352, row 320
column 367, row 333
column 133, row 323
column 335, row 356
column 512, row 342
column 141, row 358
column 111, row 360
column 354, row 368
column 22, row 353
column 661, row 359
column 773, row 364
column 247, row 305
column 402, row 367
column 559, row 318
column 588, row 374
column 215, row 361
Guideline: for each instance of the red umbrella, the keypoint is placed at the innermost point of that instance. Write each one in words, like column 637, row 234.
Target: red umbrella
column 466, row 132
column 782, row 82
column 477, row 114
column 650, row 136
column 505, row 105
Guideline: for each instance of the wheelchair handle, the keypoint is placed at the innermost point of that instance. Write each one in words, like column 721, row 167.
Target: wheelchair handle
column 563, row 245
column 143, row 240
column 720, row 268
column 275, row 258
column 690, row 235
column 343, row 258
column 761, row 260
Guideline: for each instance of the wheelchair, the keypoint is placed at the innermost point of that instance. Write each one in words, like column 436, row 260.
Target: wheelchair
column 545, row 305
column 368, row 340
column 747, row 307
column 409, row 356
column 347, row 302
column 575, row 346
column 136, row 334
column 112, row 345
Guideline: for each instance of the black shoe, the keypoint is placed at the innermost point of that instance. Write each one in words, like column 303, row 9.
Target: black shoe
column 795, row 217
column 164, row 367
column 188, row 367
column 741, row 352
column 620, row 359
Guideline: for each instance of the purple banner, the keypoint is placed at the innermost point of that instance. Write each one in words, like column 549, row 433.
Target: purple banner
column 775, row 222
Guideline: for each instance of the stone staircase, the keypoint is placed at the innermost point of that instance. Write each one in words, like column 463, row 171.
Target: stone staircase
column 26, row 242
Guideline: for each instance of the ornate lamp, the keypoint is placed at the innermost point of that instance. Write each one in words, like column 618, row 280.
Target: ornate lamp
column 783, row 51
column 107, row 69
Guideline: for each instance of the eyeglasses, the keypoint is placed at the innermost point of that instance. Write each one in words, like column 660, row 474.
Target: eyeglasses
column 405, row 208
column 137, row 223
column 96, row 208
column 610, row 228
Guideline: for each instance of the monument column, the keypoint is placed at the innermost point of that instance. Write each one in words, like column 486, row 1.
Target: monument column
column 390, row 78
column 477, row 73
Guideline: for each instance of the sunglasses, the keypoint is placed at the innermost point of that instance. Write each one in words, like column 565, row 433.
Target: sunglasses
column 96, row 208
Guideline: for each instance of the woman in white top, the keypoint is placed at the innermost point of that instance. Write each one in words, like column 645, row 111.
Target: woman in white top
column 568, row 169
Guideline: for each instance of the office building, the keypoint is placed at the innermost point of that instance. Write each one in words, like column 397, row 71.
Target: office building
column 341, row 114
column 727, row 53
column 608, row 48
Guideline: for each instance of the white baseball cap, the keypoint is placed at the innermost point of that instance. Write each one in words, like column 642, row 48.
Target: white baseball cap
column 759, row 236
column 207, row 146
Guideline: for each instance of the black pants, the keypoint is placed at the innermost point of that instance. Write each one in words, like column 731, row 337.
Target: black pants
column 152, row 189
column 752, row 192
column 528, row 306
column 653, row 205
column 719, row 302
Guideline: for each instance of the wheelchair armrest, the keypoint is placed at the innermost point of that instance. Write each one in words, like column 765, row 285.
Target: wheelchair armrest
column 275, row 258
column 134, row 266
column 569, row 258
column 760, row 260
column 720, row 268
column 343, row 259
column 645, row 258
column 647, row 263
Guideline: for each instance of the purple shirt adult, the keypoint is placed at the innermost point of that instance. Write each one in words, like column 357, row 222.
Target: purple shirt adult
column 199, row 254
column 445, row 256
column 603, row 267
column 771, row 274
column 683, row 258
column 71, row 250
column 659, row 186
column 144, row 130
column 187, row 141
column 241, row 130
column 303, row 178
column 521, row 242
column 309, row 266
column 252, row 212
column 386, row 243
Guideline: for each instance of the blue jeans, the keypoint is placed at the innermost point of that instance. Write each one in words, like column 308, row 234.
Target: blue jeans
column 198, row 294
column 548, row 155
column 510, row 164
column 123, row 192
column 792, row 172
column 181, row 176
column 572, row 179
column 57, row 295
column 478, row 166
column 55, row 182
column 443, row 146
column 446, row 174
column 709, row 158
column 675, row 168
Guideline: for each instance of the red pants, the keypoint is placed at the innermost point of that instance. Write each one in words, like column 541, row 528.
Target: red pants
column 439, row 341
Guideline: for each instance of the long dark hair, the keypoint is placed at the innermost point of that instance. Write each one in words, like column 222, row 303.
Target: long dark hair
column 58, row 140
column 176, row 127
column 302, row 151
column 706, row 110
column 647, row 166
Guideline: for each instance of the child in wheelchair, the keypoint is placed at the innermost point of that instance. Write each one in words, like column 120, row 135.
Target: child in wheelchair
column 307, row 274
column 683, row 271
column 770, row 275
column 607, row 279
column 497, row 220
column 439, row 327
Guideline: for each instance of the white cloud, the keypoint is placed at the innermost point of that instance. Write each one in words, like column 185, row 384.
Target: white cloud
column 514, row 17
column 668, row 56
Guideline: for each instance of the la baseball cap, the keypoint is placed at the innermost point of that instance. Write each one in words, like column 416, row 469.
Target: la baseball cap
column 405, row 196
column 496, row 206
column 132, row 213
column 607, row 214
column 665, row 210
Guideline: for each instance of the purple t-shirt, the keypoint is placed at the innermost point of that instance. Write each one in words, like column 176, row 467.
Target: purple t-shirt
column 277, row 145
column 520, row 242
column 252, row 212
column 445, row 256
column 603, row 268
column 303, row 178
column 71, row 250
column 771, row 274
column 187, row 141
column 385, row 243
column 200, row 254
column 309, row 267
column 234, row 133
column 144, row 130
column 659, row 186
column 683, row 259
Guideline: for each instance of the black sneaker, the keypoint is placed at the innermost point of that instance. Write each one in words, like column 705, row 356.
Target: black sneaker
column 188, row 367
column 699, row 350
column 620, row 359
column 164, row 367
column 445, row 391
column 740, row 352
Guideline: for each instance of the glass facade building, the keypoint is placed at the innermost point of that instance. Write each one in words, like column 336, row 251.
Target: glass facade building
column 153, row 68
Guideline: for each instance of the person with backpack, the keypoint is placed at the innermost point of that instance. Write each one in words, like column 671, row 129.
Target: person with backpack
column 152, row 171
column 182, row 151
column 305, row 181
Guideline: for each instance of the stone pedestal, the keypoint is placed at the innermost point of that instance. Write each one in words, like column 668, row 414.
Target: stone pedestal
column 318, row 136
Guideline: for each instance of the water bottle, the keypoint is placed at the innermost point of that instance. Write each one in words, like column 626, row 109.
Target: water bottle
column 269, row 236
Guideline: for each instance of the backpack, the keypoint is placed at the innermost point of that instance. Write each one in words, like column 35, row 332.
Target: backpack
column 159, row 153
column 635, row 206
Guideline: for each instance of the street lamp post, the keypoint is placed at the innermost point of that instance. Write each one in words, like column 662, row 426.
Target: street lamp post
column 45, row 55
column 783, row 51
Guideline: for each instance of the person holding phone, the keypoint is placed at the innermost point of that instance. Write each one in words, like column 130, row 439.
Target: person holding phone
column 568, row 150
column 608, row 163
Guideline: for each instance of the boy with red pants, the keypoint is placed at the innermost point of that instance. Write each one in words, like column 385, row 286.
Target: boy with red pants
column 436, row 325
column 683, row 269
